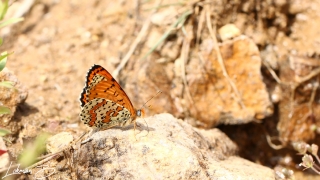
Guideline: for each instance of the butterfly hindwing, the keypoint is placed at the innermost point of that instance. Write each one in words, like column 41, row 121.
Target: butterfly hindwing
column 103, row 113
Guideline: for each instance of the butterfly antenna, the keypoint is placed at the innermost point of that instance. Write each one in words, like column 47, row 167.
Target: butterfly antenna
column 144, row 105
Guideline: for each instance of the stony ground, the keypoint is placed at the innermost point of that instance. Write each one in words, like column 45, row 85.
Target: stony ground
column 60, row 40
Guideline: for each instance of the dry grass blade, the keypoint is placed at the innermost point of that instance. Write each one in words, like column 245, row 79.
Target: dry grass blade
column 47, row 157
column 313, row 94
column 273, row 74
column 219, row 56
column 308, row 77
column 272, row 145
column 165, row 5
column 126, row 58
column 183, row 58
column 300, row 81
column 134, row 45
column 201, row 23
column 182, row 18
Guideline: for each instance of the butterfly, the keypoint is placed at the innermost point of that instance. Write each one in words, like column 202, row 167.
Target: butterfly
column 104, row 103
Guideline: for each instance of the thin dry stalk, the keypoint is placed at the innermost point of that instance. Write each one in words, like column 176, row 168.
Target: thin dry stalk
column 272, row 145
column 299, row 82
column 183, row 58
column 273, row 74
column 182, row 18
column 212, row 32
column 201, row 23
column 313, row 94
column 135, row 43
column 48, row 157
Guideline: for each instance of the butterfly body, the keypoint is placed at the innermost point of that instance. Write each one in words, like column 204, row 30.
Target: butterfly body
column 104, row 103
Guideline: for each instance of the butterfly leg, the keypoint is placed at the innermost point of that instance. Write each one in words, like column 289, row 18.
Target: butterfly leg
column 134, row 129
column 90, row 133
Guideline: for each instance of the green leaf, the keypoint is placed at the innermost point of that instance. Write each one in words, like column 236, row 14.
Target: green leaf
column 10, row 21
column 4, row 132
column 7, row 84
column 4, row 110
column 7, row 140
column 33, row 150
column 1, row 41
column 3, row 60
column 4, row 5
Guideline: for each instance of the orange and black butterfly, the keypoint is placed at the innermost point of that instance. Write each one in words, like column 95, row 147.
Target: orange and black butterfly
column 104, row 103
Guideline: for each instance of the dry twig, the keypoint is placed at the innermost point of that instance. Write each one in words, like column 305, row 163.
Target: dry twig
column 219, row 56
column 183, row 58
column 126, row 58
column 201, row 23
column 134, row 45
column 45, row 158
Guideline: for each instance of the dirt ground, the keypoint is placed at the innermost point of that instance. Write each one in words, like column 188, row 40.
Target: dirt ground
column 59, row 41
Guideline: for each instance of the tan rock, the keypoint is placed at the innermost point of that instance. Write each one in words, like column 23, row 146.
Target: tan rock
column 241, row 99
column 59, row 141
column 172, row 149
column 229, row 31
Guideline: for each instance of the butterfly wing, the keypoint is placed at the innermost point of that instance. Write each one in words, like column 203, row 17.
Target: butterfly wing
column 103, row 102
column 101, row 84
column 103, row 113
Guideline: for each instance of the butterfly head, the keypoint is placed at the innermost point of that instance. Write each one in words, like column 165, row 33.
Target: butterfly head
column 140, row 112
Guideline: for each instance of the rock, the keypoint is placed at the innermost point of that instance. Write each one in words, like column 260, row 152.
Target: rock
column 11, row 97
column 229, row 31
column 59, row 141
column 172, row 149
column 216, row 100
column 298, row 108
column 164, row 148
column 199, row 89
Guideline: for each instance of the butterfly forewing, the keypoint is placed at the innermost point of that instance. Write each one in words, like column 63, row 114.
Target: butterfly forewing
column 100, row 83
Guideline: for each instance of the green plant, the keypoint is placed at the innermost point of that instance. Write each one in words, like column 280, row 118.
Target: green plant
column 32, row 151
column 4, row 5
column 8, row 84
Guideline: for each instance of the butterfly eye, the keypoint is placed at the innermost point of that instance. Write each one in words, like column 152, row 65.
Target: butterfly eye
column 138, row 112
